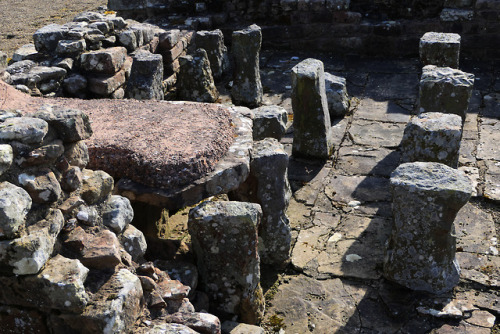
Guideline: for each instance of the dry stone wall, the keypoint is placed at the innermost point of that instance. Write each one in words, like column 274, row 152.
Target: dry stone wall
column 375, row 28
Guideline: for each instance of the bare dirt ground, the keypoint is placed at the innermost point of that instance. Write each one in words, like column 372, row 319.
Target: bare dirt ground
column 19, row 19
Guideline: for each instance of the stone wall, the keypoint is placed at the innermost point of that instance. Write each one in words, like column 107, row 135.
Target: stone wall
column 373, row 28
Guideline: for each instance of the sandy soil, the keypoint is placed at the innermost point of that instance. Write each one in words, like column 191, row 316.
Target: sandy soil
column 19, row 19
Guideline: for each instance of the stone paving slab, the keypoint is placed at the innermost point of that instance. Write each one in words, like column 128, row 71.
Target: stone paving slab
column 492, row 180
column 489, row 137
column 383, row 111
column 371, row 133
column 389, row 86
column 345, row 190
column 361, row 160
column 472, row 225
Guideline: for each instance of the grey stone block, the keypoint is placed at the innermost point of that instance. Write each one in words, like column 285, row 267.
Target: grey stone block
column 311, row 119
column 247, row 87
column 440, row 49
column 15, row 203
column 446, row 90
column 432, row 137
column 336, row 95
column 195, row 81
column 269, row 121
column 213, row 43
column 426, row 199
column 146, row 76
column 222, row 232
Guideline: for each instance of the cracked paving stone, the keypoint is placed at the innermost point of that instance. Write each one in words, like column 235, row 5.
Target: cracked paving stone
column 489, row 136
column 482, row 319
column 367, row 161
column 473, row 174
column 475, row 230
column 309, row 192
column 307, row 305
column 486, row 300
column 479, row 268
column 467, row 152
column 371, row 133
column 383, row 111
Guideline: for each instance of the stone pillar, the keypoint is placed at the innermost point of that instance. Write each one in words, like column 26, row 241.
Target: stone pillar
column 311, row 120
column 446, row 90
column 268, row 186
column 213, row 43
column 432, row 137
column 426, row 199
column 336, row 95
column 247, row 88
column 224, row 237
column 145, row 82
column 195, row 81
column 440, row 49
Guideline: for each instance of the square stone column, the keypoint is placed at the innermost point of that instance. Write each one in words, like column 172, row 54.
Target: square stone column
column 311, row 119
column 440, row 49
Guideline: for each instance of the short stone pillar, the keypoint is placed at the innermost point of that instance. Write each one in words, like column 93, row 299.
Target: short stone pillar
column 195, row 81
column 432, row 137
column 311, row 119
column 224, row 237
column 269, row 122
column 446, row 90
column 440, row 49
column 426, row 199
column 146, row 76
column 336, row 95
column 268, row 186
column 247, row 87
column 213, row 43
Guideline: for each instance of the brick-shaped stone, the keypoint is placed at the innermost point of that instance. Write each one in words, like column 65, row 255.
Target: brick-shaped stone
column 440, row 49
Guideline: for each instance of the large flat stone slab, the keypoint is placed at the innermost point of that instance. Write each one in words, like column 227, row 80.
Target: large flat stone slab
column 373, row 133
column 384, row 111
column 361, row 160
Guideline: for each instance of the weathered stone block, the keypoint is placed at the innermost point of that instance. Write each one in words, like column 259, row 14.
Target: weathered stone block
column 14, row 206
column 77, row 154
column 71, row 47
column 213, row 43
column 269, row 121
column 72, row 125
column 426, row 199
column 42, row 185
column 75, row 84
column 25, row 52
column 117, row 213
column 104, row 85
column 311, row 120
column 27, row 130
column 268, row 186
column 146, row 76
column 168, row 39
column 96, row 186
column 47, row 38
column 454, row 15
column 440, row 49
column 432, row 137
column 336, row 95
column 247, row 87
column 114, row 308
column 107, row 61
column 195, row 81
column 134, row 242
column 44, row 155
column 445, row 90
column 228, row 230
column 102, row 251
column 6, row 157
column 29, row 253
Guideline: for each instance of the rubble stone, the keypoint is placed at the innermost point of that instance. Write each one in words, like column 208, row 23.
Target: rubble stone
column 247, row 87
column 146, row 76
column 14, row 206
column 336, row 95
column 29, row 253
column 443, row 89
column 102, row 251
column 44, row 155
column 75, row 84
column 47, row 38
column 426, row 199
column 6, row 157
column 72, row 125
column 71, row 47
column 104, row 85
column 213, row 43
column 117, row 213
column 228, row 230
column 311, row 121
column 200, row 322
column 77, row 154
column 269, row 121
column 97, row 186
column 440, row 49
column 25, row 52
column 42, row 185
column 26, row 130
column 195, row 81
column 134, row 242
column 432, row 137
